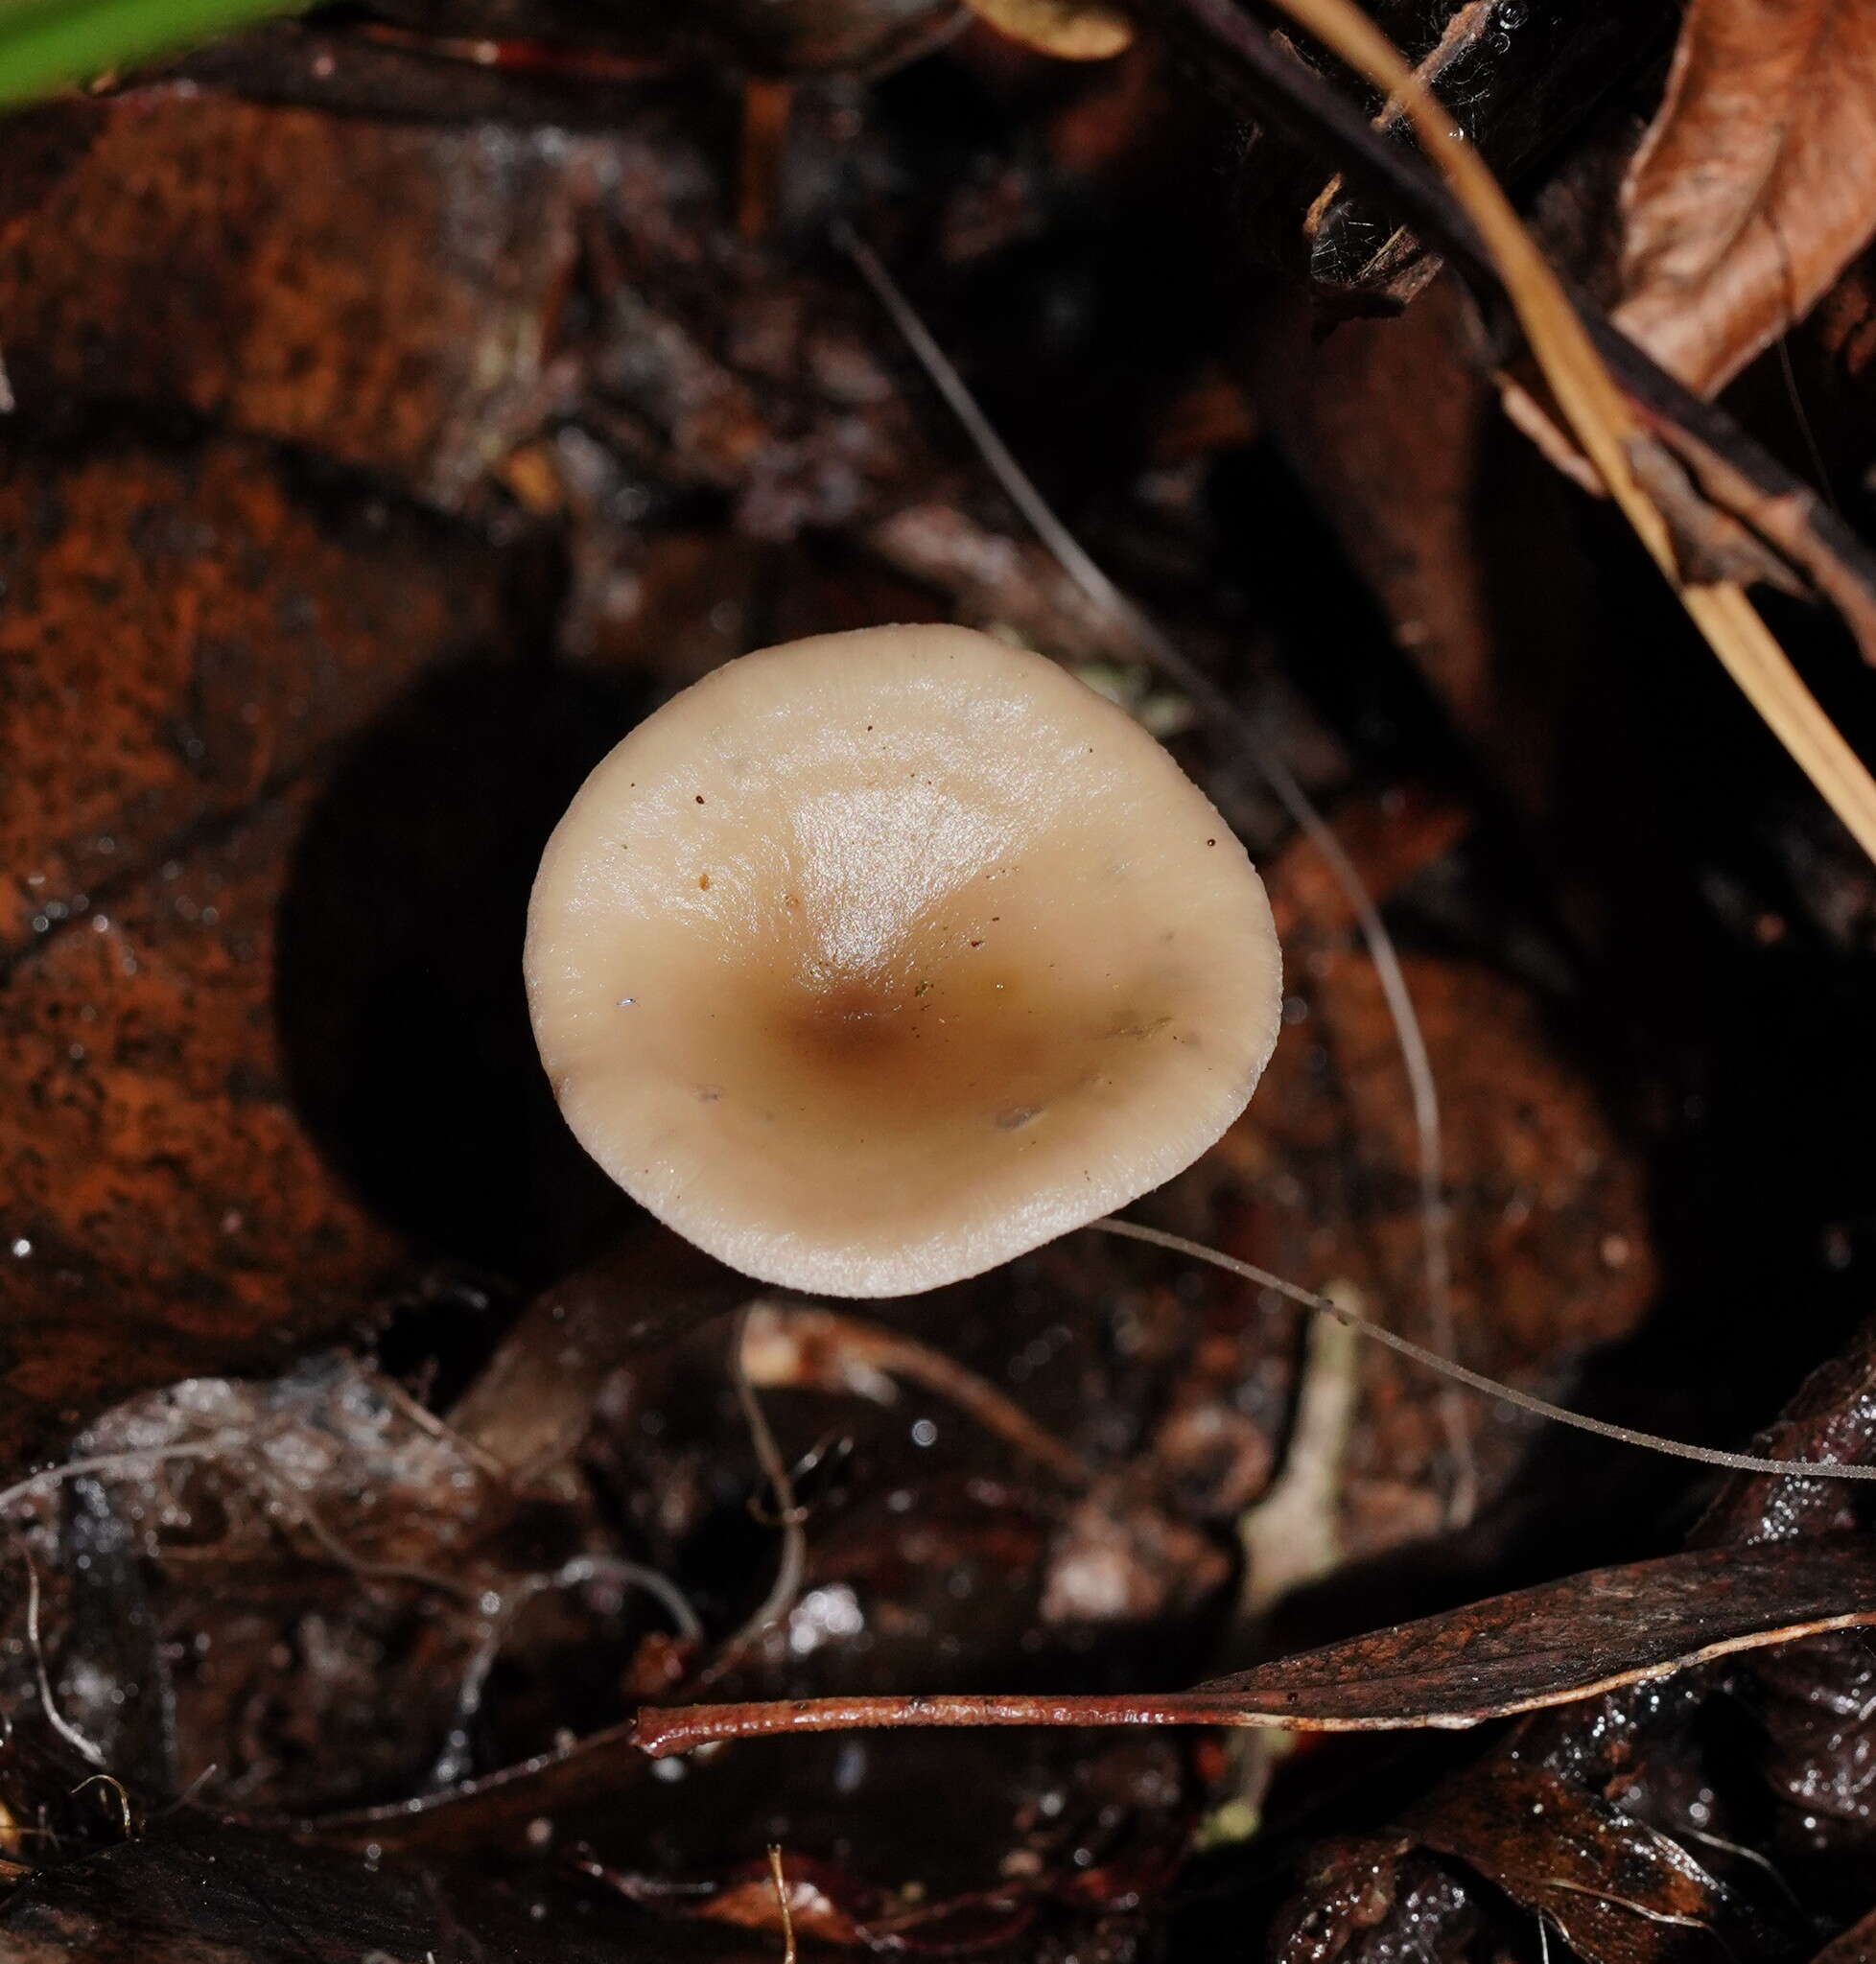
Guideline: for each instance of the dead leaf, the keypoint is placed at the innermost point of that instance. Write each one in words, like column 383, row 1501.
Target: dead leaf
column 1071, row 30
column 202, row 1893
column 1756, row 184
column 1620, row 1890
column 381, row 295
column 187, row 635
column 1541, row 1646
column 1611, row 1771
column 1855, row 1945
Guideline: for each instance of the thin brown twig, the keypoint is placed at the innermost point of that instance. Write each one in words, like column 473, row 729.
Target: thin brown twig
column 783, row 1904
column 661, row 1730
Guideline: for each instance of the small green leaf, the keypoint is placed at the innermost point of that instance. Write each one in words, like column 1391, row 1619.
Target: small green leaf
column 51, row 44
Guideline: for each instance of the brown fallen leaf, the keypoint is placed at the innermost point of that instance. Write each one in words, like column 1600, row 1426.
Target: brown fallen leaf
column 1628, row 1784
column 1856, row 1946
column 379, row 295
column 188, row 635
column 185, row 634
column 159, row 1186
column 1619, row 1889
column 1756, row 184
column 1541, row 1646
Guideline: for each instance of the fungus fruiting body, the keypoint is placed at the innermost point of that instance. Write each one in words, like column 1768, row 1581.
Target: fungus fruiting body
column 870, row 962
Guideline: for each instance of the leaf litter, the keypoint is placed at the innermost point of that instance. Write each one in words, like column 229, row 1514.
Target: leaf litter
column 409, row 1607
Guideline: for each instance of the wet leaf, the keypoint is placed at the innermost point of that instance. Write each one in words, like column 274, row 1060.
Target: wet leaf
column 1662, row 1817
column 1619, row 1890
column 1547, row 1646
column 1756, row 184
column 1356, row 1893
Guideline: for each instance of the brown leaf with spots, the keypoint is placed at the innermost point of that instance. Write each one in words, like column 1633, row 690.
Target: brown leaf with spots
column 1756, row 184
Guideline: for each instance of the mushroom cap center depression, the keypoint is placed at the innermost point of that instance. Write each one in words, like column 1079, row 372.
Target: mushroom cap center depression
column 864, row 965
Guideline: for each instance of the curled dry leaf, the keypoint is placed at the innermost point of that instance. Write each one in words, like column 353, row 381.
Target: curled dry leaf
column 1071, row 30
column 1756, row 183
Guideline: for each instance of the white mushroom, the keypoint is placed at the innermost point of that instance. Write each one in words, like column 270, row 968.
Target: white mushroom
column 873, row 961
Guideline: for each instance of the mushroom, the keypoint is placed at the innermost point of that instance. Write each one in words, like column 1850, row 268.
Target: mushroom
column 870, row 962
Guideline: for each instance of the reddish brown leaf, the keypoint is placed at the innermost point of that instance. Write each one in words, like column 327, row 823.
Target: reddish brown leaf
column 159, row 1186
column 181, row 635
column 1856, row 1946
column 1611, row 1771
column 1539, row 1647
column 1619, row 1890
column 375, row 293
column 1756, row 184
column 183, row 640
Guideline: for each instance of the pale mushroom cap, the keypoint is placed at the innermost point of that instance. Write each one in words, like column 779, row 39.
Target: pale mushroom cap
column 870, row 962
